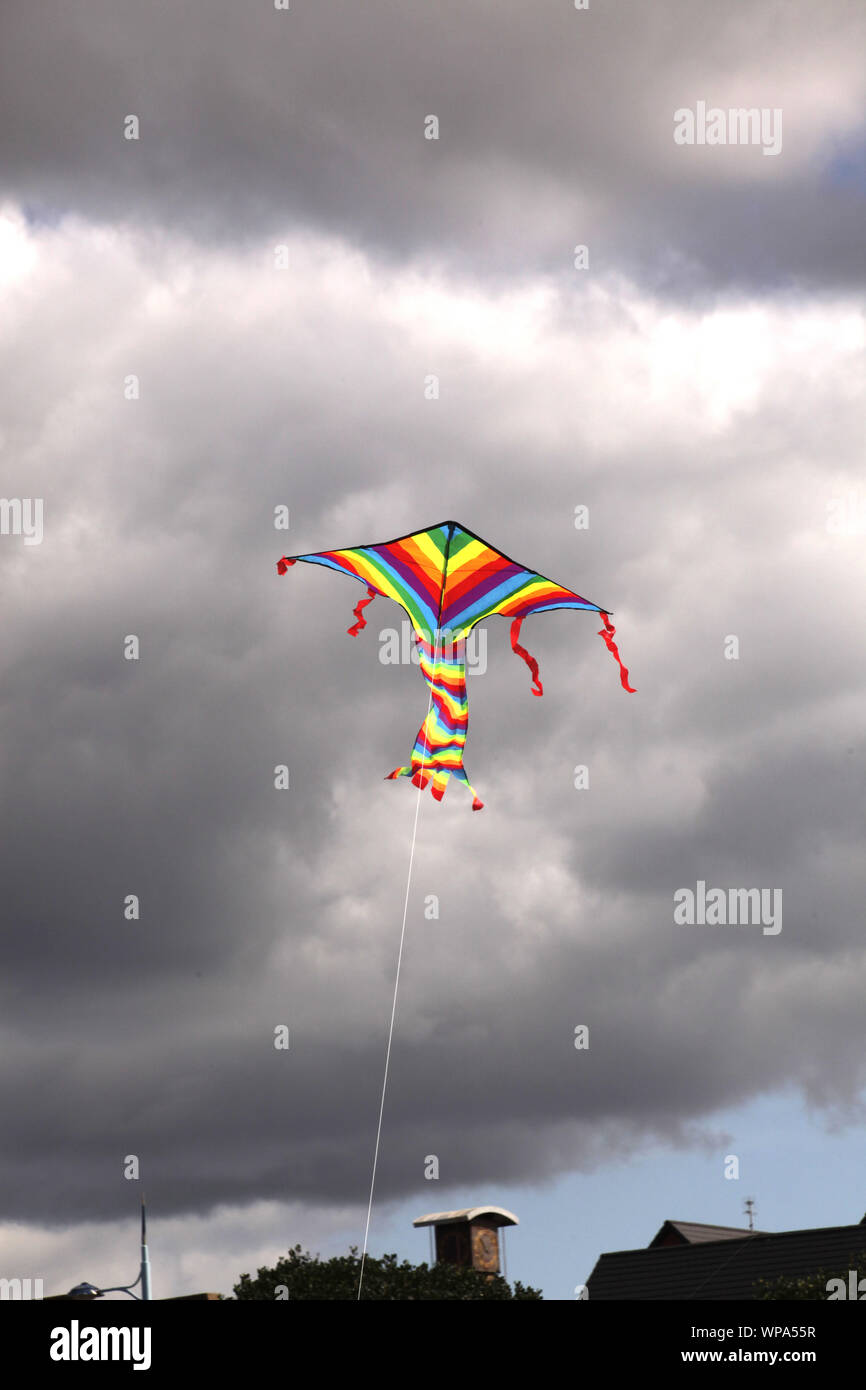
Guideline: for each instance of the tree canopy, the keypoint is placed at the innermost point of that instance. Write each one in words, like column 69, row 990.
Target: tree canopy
column 811, row 1287
column 302, row 1276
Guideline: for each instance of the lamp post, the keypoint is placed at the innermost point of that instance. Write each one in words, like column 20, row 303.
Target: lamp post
column 88, row 1291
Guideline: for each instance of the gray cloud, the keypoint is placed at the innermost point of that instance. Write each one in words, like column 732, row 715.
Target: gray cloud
column 556, row 128
column 259, row 907
column 700, row 389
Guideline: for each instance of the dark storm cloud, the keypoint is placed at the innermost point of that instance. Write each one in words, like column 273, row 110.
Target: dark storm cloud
column 556, row 129
column 707, row 451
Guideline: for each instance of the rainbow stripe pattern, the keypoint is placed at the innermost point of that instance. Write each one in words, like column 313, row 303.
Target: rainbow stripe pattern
column 447, row 579
column 438, row 749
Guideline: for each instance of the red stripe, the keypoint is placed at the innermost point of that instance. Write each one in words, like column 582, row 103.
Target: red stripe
column 427, row 579
column 480, row 569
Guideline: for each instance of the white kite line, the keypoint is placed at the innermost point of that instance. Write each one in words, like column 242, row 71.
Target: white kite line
column 399, row 962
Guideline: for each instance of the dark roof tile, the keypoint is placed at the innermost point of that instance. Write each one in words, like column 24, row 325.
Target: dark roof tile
column 726, row 1268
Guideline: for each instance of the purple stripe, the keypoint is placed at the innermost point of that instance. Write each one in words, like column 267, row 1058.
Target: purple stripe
column 408, row 576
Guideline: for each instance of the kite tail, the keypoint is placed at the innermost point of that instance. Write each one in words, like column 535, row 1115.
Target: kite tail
column 607, row 633
column 420, row 778
column 438, row 751
column 362, row 621
column 283, row 565
column 521, row 651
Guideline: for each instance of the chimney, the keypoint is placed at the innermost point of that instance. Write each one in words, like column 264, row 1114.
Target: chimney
column 470, row 1237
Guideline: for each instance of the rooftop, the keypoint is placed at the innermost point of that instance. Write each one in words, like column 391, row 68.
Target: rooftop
column 725, row 1266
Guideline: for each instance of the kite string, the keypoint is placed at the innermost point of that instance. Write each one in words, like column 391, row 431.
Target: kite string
column 396, row 984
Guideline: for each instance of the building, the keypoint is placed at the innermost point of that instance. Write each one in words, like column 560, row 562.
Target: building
column 687, row 1260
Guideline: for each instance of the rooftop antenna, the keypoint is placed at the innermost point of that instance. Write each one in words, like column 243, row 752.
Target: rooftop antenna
column 145, row 1258
column 750, row 1212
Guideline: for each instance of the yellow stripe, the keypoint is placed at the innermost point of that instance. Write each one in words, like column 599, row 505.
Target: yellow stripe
column 425, row 543
column 468, row 556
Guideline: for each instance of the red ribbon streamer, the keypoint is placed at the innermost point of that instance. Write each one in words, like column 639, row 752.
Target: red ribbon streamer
column 521, row 651
column 607, row 633
column 283, row 565
column 362, row 621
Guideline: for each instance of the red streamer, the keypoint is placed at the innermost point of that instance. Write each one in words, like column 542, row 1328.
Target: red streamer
column 607, row 633
column 530, row 660
column 362, row 621
column 283, row 565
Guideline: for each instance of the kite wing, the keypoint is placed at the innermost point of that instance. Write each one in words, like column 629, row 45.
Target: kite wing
column 410, row 570
column 481, row 581
column 447, row 579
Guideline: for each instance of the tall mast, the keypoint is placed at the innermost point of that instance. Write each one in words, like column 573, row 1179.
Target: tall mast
column 145, row 1258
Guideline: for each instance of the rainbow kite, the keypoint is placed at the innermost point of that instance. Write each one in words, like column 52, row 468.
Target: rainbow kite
column 447, row 579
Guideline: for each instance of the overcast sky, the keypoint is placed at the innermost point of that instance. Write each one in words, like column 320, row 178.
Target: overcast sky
column 282, row 260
